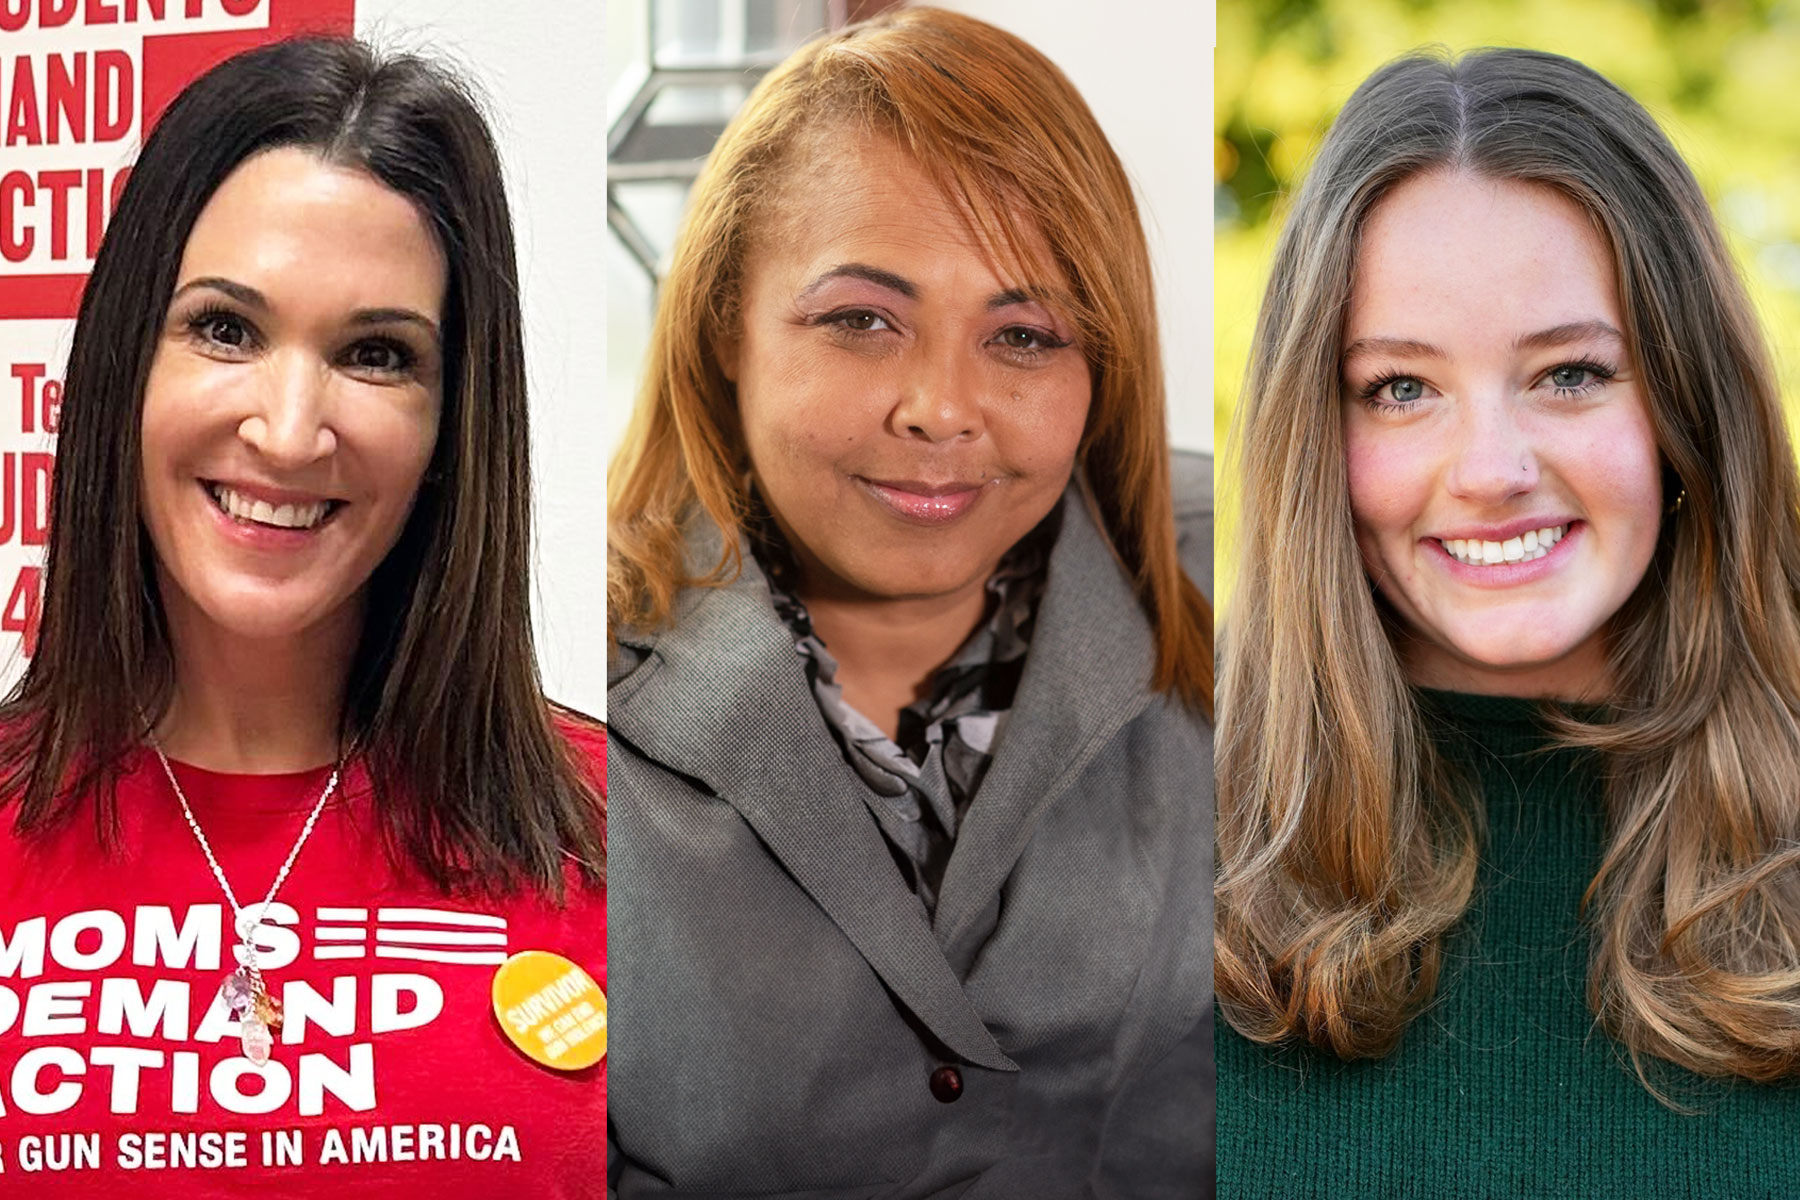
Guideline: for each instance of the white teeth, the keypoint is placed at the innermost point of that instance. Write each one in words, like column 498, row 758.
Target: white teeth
column 285, row 516
column 1534, row 543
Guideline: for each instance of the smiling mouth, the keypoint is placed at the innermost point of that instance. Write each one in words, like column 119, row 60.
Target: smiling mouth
column 922, row 503
column 249, row 511
column 1533, row 543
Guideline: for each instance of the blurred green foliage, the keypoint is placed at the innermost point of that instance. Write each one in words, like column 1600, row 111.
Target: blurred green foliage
column 1723, row 79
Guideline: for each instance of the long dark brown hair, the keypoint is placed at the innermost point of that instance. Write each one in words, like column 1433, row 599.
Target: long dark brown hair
column 1347, row 847
column 444, row 702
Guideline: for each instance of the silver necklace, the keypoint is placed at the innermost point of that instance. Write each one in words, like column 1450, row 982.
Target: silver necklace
column 244, row 991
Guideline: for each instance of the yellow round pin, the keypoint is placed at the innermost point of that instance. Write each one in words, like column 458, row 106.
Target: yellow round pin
column 551, row 1009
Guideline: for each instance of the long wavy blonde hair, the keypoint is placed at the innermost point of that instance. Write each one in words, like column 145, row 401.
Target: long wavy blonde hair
column 997, row 126
column 1347, row 848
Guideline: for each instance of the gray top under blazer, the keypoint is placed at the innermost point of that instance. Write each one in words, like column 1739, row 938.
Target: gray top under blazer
column 781, row 1002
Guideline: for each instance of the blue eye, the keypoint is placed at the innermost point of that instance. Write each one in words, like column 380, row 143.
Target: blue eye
column 1405, row 390
column 1570, row 376
column 1394, row 391
column 1573, row 377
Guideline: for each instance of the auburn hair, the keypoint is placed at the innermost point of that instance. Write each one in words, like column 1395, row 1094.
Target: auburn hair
column 1347, row 847
column 998, row 127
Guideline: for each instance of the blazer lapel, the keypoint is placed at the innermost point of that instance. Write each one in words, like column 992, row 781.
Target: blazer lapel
column 722, row 698
column 1086, row 676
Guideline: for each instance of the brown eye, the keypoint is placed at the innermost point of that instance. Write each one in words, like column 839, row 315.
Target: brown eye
column 862, row 322
column 223, row 330
column 379, row 357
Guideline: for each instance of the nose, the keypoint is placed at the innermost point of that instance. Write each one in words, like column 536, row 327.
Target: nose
column 940, row 397
column 288, row 425
column 1495, row 458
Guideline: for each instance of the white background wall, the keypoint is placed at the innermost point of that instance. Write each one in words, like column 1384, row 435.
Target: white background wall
column 538, row 66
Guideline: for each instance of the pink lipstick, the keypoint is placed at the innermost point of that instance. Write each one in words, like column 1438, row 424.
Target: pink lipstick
column 921, row 502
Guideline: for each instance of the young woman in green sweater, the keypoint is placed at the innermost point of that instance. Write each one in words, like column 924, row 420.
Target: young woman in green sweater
column 1509, row 758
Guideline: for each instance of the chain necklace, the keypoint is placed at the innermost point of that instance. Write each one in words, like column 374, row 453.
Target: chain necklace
column 244, row 991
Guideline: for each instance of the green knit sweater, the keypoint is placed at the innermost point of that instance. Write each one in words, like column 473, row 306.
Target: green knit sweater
column 1505, row 1087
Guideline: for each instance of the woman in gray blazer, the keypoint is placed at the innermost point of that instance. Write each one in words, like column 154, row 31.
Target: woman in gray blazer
column 911, row 849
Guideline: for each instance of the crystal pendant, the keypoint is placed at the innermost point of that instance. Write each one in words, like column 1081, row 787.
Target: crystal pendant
column 239, row 991
column 256, row 1040
column 268, row 1011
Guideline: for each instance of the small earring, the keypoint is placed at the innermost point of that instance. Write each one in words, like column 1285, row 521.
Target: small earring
column 1676, row 507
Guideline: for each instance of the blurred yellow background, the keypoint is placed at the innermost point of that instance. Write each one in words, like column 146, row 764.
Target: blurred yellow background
column 1723, row 80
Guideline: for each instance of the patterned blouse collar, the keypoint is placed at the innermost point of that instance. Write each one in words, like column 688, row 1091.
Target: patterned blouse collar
column 920, row 783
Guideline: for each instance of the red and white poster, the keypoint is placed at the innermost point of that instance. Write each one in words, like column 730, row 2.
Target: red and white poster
column 80, row 83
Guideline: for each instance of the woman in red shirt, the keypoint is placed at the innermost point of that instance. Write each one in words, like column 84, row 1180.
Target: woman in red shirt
column 284, row 793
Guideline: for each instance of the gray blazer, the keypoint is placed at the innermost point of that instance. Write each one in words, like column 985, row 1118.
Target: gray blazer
column 785, row 1010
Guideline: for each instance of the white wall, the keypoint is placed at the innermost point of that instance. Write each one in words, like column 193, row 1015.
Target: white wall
column 1146, row 70
column 538, row 66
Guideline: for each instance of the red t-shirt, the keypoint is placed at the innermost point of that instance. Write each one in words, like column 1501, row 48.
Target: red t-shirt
column 121, row 1073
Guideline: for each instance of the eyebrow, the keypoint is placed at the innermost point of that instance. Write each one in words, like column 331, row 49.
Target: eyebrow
column 906, row 287
column 251, row 298
column 1574, row 331
column 874, row 275
column 242, row 293
column 1012, row 296
column 1543, row 339
column 393, row 316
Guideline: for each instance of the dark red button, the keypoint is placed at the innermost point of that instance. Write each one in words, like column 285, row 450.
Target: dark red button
column 946, row 1084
